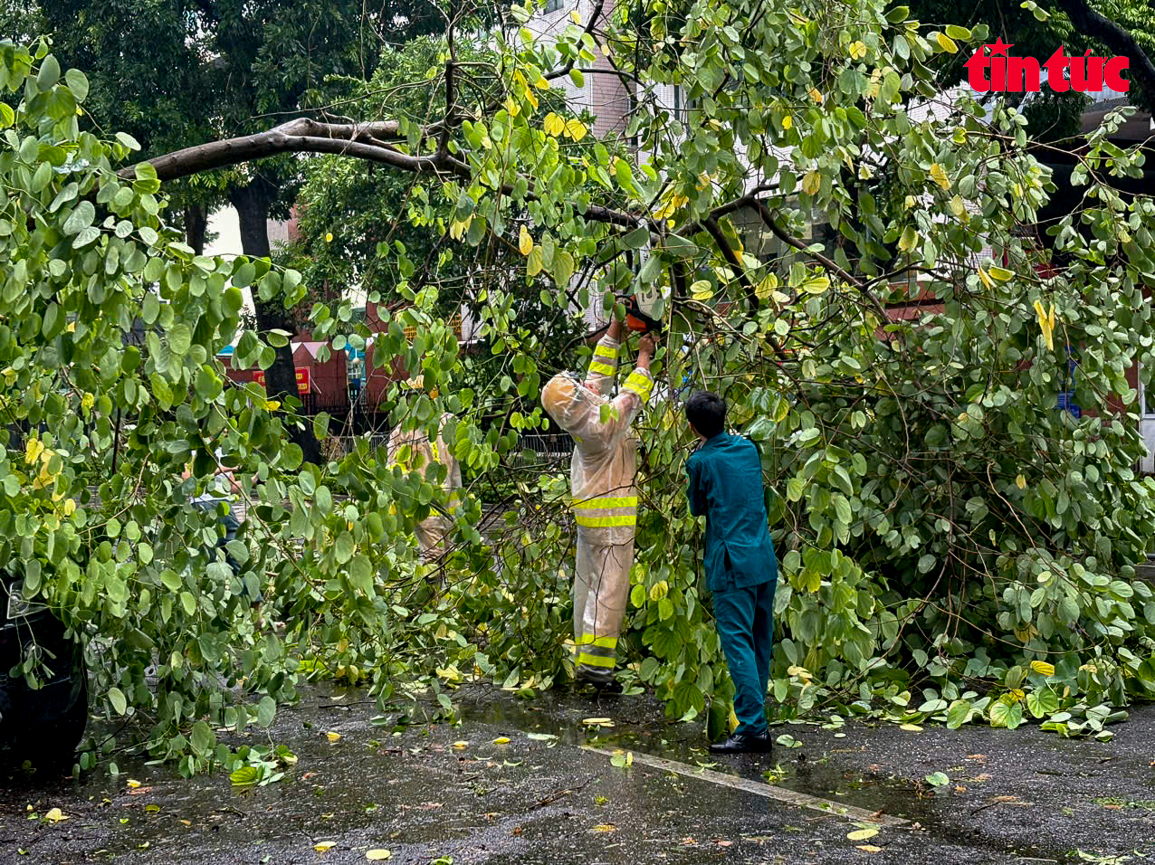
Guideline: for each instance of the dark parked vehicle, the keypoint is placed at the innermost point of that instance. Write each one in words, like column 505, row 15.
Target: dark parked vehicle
column 42, row 724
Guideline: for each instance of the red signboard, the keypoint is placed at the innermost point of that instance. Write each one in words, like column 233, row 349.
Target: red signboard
column 302, row 379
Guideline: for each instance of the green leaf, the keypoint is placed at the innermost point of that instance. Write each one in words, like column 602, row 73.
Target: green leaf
column 117, row 698
column 188, row 602
column 246, row 776
column 77, row 83
column 266, row 711
column 81, row 218
column 937, row 779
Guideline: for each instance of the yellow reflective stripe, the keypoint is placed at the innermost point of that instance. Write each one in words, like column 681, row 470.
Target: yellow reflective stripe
column 639, row 383
column 609, row 502
column 606, row 352
column 606, row 522
column 601, row 642
column 601, row 368
column 595, row 661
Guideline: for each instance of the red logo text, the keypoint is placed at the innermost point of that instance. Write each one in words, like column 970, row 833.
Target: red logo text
column 1001, row 73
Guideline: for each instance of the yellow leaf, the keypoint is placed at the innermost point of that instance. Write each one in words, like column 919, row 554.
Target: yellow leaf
column 541, row 83
column 701, row 290
column 733, row 720
column 816, row 95
column 32, row 450
column 461, row 745
column 132, row 784
column 986, row 280
column 938, row 175
column 324, row 845
column 605, row 827
column 1001, row 273
column 534, row 261
column 333, row 737
column 1043, row 668
column 501, row 740
column 766, row 286
column 862, row 834
column 69, row 507
column 575, row 129
column 812, row 182
column 328, row 237
column 457, row 229
column 958, row 208
column 788, row 121
column 946, row 43
column 817, row 285
column 525, row 242
column 857, row 50
column 531, row 99
column 574, row 17
column 55, row 816
column 378, row 855
column 865, row 172
column 913, row 728
column 553, row 125
column 511, row 107
column 1021, row 482
column 869, row 848
column 272, row 404
column 1046, row 324
column 597, row 722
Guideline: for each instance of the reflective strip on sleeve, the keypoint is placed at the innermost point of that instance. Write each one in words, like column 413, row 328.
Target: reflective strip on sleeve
column 601, row 368
column 606, row 352
column 639, row 383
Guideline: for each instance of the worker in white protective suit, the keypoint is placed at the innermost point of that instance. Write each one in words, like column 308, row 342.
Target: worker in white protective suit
column 418, row 454
column 605, row 499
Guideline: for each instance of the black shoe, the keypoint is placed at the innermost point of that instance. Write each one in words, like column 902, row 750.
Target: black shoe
column 602, row 680
column 743, row 743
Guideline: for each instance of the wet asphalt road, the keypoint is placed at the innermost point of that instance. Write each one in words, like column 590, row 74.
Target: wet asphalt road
column 1014, row 796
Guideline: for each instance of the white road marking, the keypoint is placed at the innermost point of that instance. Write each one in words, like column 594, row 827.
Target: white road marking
column 768, row 791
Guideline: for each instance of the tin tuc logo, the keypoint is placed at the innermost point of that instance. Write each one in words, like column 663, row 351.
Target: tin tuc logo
column 1001, row 73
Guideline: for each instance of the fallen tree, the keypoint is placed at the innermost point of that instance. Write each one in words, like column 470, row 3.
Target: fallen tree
column 953, row 547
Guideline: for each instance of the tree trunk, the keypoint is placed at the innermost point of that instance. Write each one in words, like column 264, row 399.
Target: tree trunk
column 196, row 225
column 252, row 203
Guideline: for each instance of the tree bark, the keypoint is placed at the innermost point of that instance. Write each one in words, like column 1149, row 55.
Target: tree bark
column 196, row 226
column 252, row 203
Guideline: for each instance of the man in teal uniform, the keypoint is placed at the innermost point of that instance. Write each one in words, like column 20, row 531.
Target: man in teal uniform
column 741, row 570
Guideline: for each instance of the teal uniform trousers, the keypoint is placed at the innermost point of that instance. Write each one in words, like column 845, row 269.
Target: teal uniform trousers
column 725, row 485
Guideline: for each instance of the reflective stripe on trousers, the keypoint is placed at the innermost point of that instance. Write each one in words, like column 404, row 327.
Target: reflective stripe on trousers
column 601, row 588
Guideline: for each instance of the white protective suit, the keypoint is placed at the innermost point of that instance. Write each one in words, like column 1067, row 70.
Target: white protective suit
column 432, row 531
column 605, row 500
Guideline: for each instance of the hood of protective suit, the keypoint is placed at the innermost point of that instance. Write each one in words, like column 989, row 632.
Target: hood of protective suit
column 568, row 401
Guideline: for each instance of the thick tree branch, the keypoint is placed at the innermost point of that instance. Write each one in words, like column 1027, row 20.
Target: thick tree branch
column 1117, row 39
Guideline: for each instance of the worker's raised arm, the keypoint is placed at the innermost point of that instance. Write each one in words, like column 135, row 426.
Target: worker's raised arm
column 611, row 424
column 604, row 363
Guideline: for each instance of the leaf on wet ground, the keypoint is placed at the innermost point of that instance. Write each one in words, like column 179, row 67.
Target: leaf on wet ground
column 333, row 737
column 324, row 846
column 541, row 737
column 911, row 728
column 597, row 722
column 55, row 815
column 869, row 848
column 605, row 827
column 501, row 740
column 862, row 834
column 937, row 779
column 378, row 855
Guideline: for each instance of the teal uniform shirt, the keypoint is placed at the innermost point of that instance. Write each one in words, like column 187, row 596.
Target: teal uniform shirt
column 726, row 483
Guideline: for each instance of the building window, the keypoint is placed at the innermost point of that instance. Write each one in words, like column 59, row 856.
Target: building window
column 552, row 6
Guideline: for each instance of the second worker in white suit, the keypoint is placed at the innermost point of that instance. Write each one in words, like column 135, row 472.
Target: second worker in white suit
column 605, row 499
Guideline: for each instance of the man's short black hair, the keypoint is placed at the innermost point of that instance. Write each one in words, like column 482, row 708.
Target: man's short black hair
column 707, row 412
